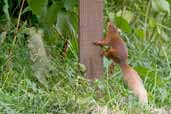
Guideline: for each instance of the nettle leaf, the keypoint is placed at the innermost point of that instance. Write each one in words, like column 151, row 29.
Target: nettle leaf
column 52, row 13
column 161, row 5
column 38, row 6
column 123, row 24
column 69, row 4
column 38, row 55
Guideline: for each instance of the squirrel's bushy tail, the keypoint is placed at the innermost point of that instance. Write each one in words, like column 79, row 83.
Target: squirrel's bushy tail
column 134, row 82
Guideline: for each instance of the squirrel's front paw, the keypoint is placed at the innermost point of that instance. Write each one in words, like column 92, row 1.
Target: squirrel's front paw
column 97, row 42
column 102, row 53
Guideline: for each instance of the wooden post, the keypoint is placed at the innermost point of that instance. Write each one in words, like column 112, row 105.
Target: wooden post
column 90, row 30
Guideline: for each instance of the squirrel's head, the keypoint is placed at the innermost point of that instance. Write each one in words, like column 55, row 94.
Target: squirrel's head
column 111, row 27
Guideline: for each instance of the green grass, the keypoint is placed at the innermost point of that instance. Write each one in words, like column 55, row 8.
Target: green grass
column 69, row 92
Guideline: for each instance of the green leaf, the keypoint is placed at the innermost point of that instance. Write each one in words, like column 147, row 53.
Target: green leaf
column 161, row 5
column 169, row 1
column 3, row 36
column 27, row 9
column 150, row 75
column 82, row 67
column 64, row 24
column 38, row 6
column 5, row 9
column 152, row 22
column 51, row 16
column 123, row 24
column 73, row 23
column 70, row 4
column 127, row 15
column 139, row 33
column 164, row 36
column 61, row 25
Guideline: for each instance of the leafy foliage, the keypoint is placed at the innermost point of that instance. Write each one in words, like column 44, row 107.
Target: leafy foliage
column 38, row 6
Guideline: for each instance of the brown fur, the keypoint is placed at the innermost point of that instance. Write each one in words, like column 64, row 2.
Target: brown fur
column 119, row 54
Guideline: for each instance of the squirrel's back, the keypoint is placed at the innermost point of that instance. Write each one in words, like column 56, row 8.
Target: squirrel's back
column 118, row 44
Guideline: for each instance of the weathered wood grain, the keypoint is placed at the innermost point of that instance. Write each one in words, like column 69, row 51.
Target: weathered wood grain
column 90, row 30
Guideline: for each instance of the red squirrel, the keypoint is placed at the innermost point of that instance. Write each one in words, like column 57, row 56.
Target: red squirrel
column 119, row 54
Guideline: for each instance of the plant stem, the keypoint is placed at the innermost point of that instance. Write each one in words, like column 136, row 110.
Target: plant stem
column 15, row 35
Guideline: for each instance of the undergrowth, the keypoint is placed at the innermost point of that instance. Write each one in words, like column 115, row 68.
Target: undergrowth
column 69, row 92
column 145, row 30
